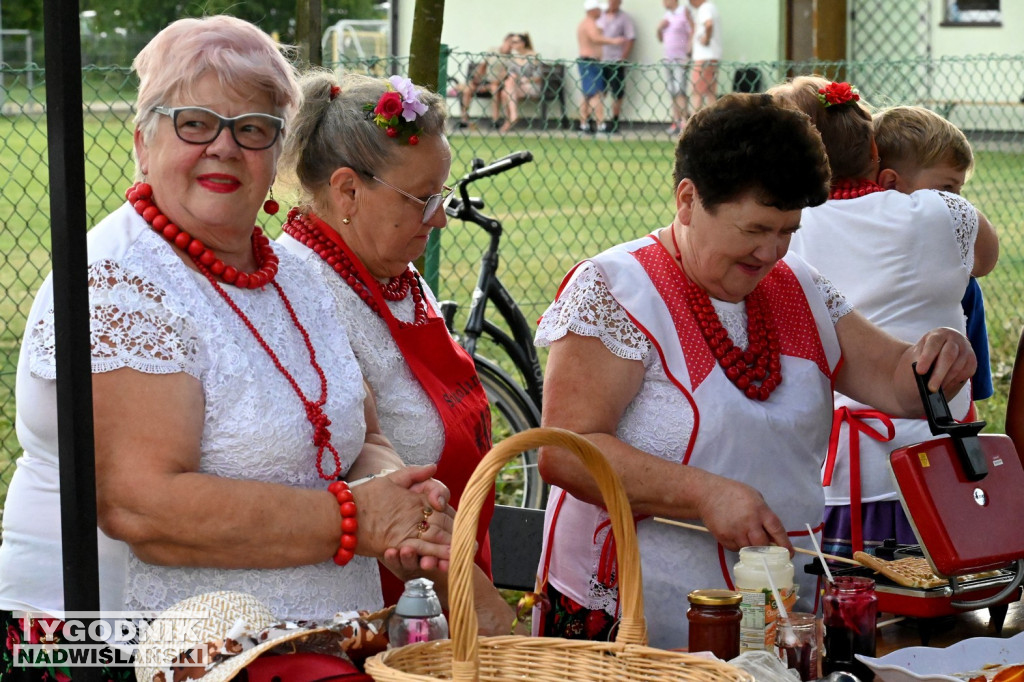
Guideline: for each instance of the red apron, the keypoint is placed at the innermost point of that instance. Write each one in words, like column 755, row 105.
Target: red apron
column 447, row 374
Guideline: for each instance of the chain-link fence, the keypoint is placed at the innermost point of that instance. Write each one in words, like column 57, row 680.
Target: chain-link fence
column 584, row 191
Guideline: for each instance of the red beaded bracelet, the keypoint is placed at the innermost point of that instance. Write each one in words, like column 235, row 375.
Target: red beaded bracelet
column 349, row 525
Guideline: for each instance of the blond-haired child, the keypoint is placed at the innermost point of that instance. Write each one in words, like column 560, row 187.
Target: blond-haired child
column 919, row 149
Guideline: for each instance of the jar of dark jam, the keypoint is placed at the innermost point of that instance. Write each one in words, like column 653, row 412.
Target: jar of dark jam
column 714, row 617
column 851, row 615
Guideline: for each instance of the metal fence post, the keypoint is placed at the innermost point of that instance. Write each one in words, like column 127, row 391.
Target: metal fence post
column 71, row 314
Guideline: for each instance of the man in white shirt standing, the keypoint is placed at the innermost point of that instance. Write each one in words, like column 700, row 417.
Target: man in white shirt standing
column 614, row 23
column 707, row 52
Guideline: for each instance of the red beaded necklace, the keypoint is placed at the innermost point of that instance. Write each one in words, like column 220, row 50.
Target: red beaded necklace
column 141, row 197
column 304, row 228
column 397, row 288
column 851, row 189
column 761, row 361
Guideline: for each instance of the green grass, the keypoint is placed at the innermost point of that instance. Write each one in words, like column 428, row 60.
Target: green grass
column 578, row 197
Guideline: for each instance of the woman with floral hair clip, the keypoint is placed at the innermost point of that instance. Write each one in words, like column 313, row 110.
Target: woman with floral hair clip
column 903, row 261
column 370, row 157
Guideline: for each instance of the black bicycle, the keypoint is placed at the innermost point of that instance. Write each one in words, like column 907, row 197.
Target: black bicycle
column 515, row 405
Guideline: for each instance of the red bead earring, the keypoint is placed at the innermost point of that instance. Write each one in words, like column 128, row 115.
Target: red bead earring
column 270, row 205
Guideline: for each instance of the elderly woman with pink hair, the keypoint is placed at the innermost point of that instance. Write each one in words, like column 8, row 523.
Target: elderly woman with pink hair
column 237, row 444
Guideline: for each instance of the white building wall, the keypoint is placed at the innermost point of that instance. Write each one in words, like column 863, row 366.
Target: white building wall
column 751, row 29
column 959, row 41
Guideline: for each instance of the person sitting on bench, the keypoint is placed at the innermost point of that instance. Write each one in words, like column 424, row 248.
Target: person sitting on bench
column 486, row 78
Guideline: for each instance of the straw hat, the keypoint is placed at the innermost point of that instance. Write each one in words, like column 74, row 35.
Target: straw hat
column 222, row 632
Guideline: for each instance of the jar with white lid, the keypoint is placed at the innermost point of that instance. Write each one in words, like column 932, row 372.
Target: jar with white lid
column 749, row 572
column 760, row 612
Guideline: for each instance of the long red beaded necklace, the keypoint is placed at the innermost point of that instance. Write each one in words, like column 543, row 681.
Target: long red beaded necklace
column 851, row 189
column 140, row 195
column 761, row 361
column 304, row 228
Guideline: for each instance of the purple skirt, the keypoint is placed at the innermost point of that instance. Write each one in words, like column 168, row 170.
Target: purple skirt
column 880, row 521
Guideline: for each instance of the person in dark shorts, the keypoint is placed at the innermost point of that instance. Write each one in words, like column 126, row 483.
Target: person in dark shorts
column 590, row 40
column 616, row 24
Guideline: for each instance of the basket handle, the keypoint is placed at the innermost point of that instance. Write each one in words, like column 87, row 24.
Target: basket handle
column 465, row 642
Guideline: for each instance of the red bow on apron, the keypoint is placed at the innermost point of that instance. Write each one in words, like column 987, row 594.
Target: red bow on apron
column 855, row 419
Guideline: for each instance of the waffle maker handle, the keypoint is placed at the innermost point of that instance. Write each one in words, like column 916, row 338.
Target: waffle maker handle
column 964, row 435
column 1002, row 596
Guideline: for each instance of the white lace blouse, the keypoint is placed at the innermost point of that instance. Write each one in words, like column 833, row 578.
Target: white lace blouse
column 153, row 314
column 407, row 416
column 586, row 307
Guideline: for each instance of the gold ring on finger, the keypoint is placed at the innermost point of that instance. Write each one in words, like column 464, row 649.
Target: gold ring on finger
column 427, row 511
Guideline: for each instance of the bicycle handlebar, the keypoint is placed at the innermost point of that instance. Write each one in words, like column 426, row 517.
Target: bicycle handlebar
column 500, row 166
column 467, row 208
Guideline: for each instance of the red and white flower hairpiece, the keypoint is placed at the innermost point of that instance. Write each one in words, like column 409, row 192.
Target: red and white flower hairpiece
column 397, row 110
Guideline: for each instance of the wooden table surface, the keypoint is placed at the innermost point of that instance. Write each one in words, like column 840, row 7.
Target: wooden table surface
column 946, row 631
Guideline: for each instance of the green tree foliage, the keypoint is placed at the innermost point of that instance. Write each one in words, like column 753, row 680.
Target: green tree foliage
column 141, row 20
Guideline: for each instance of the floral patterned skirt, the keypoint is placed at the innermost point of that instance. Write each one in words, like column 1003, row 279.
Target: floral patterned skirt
column 569, row 619
column 26, row 630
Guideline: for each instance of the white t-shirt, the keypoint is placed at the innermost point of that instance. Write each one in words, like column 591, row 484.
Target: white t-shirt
column 713, row 50
column 156, row 315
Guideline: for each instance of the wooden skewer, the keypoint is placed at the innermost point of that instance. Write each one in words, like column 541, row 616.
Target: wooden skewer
column 801, row 550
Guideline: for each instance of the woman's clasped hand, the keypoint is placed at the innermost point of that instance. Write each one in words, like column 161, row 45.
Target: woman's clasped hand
column 416, row 527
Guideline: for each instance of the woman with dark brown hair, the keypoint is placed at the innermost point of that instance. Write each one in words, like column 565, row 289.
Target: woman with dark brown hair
column 525, row 79
column 701, row 359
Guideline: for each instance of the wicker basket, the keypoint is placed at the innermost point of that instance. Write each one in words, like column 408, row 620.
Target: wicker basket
column 468, row 656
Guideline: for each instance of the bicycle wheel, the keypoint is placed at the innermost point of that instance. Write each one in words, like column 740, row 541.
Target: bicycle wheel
column 519, row 484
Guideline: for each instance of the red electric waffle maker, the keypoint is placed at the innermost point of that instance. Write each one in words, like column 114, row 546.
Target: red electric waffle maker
column 964, row 495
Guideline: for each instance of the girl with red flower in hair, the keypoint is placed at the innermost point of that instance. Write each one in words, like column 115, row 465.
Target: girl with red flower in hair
column 903, row 260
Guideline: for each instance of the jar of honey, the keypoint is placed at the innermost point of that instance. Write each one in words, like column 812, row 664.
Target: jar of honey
column 714, row 617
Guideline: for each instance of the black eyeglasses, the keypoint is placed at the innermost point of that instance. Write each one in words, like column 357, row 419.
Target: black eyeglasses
column 198, row 125
column 430, row 204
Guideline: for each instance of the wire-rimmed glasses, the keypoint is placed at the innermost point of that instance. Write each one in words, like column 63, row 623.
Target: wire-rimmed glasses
column 430, row 204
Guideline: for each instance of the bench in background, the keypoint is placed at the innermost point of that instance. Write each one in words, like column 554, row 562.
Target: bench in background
column 553, row 85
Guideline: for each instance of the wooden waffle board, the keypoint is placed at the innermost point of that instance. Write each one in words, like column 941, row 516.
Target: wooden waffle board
column 912, row 571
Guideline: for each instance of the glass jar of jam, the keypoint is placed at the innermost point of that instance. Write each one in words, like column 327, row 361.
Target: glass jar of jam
column 851, row 611
column 714, row 617
column 797, row 644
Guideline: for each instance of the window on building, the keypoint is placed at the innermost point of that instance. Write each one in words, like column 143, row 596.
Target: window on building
column 959, row 12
